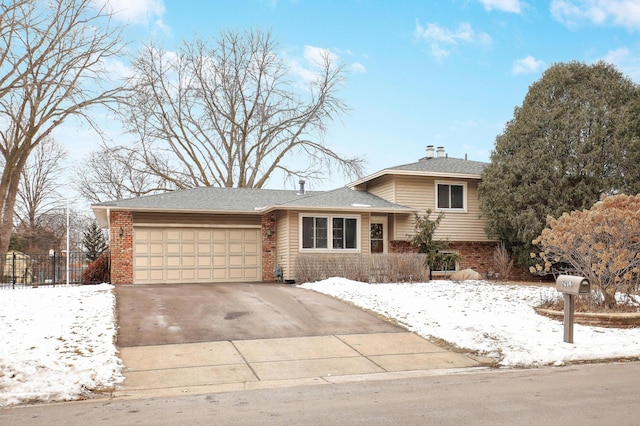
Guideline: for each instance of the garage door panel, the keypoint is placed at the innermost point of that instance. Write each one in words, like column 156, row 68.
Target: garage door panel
column 176, row 255
column 251, row 236
column 251, row 274
column 204, row 275
column 236, row 261
column 141, row 275
column 156, row 275
column 204, row 261
column 173, row 275
column 219, row 274
column 236, row 234
column 235, row 248
column 236, row 274
column 250, row 248
column 188, row 275
column 156, row 248
column 141, row 262
column 173, row 235
column 156, row 235
column 219, row 261
column 156, row 261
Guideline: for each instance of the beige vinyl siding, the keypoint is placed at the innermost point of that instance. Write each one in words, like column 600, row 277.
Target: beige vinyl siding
column 365, row 234
column 383, row 187
column 411, row 191
column 288, row 223
column 419, row 192
column 283, row 243
column 464, row 226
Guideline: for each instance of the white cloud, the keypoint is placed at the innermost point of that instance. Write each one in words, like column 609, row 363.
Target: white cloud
column 442, row 40
column 306, row 69
column 139, row 12
column 622, row 13
column 116, row 69
column 527, row 65
column 357, row 67
column 317, row 55
column 627, row 61
column 512, row 6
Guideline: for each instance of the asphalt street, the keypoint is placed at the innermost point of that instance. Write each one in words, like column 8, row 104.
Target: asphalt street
column 593, row 394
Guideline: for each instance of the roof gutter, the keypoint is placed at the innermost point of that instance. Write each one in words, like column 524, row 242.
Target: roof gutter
column 412, row 173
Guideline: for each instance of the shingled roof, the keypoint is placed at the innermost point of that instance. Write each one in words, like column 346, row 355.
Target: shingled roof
column 447, row 165
column 251, row 201
column 432, row 166
column 208, row 199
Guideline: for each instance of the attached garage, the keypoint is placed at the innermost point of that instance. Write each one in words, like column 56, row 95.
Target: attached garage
column 195, row 254
column 210, row 234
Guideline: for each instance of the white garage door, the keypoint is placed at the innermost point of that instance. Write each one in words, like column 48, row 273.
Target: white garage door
column 191, row 255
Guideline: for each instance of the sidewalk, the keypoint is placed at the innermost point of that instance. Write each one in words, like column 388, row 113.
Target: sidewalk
column 198, row 368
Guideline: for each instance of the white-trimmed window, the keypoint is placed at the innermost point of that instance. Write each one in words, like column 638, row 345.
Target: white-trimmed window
column 446, row 267
column 329, row 232
column 451, row 196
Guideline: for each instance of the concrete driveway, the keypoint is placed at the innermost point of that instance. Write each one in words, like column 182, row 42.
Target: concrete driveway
column 188, row 313
column 208, row 338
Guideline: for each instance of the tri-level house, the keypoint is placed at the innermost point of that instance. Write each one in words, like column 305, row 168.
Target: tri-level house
column 240, row 234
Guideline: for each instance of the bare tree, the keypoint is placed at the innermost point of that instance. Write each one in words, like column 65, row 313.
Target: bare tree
column 51, row 68
column 50, row 231
column 115, row 173
column 41, row 178
column 228, row 113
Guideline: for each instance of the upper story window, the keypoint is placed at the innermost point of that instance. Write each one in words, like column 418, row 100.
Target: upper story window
column 329, row 233
column 450, row 196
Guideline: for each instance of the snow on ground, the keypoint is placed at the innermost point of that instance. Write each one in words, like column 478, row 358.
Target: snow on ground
column 496, row 320
column 57, row 343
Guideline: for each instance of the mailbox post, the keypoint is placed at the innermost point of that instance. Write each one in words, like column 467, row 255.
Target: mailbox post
column 570, row 286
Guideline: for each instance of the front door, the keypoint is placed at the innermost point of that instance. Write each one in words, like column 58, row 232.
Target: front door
column 378, row 235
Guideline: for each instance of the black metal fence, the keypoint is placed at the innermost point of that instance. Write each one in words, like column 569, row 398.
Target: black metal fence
column 43, row 269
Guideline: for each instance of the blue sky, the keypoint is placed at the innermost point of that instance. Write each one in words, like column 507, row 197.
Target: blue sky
column 445, row 73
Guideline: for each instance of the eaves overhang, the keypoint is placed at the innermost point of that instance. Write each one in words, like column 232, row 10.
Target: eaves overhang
column 385, row 172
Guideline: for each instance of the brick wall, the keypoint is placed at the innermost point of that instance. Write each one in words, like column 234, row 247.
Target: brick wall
column 121, row 247
column 476, row 255
column 401, row 246
column 268, row 246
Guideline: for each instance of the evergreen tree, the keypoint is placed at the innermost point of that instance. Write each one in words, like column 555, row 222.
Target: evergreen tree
column 437, row 256
column 573, row 138
column 94, row 241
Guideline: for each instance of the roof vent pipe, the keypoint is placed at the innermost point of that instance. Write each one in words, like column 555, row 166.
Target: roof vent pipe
column 440, row 151
column 301, row 182
column 429, row 151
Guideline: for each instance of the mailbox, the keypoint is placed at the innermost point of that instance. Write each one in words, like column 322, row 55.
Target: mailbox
column 571, row 284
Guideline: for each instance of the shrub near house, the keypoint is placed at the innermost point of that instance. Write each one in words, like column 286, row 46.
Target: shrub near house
column 601, row 244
